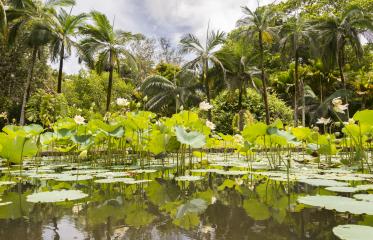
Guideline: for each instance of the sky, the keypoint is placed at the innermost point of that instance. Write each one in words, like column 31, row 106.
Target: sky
column 165, row 18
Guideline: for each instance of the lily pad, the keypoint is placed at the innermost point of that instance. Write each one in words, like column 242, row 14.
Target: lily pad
column 364, row 197
column 188, row 178
column 56, row 196
column 365, row 187
column 342, row 189
column 3, row 183
column 323, row 182
column 353, row 232
column 70, row 178
column 115, row 180
column 340, row 204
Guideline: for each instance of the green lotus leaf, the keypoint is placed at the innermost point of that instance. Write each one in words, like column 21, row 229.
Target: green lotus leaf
column 14, row 148
column 364, row 117
column 193, row 139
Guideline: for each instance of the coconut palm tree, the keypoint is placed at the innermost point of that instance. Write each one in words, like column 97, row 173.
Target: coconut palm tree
column 336, row 32
column 103, row 48
column 33, row 16
column 295, row 35
column 3, row 22
column 163, row 93
column 64, row 28
column 205, row 56
column 259, row 24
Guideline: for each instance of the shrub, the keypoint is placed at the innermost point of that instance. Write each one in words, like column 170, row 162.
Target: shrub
column 226, row 107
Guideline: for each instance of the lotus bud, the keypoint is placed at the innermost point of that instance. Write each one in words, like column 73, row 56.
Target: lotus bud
column 138, row 105
column 145, row 99
column 338, row 124
column 181, row 108
column 337, row 134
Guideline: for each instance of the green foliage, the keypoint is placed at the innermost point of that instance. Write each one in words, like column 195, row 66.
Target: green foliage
column 46, row 108
column 87, row 91
column 226, row 106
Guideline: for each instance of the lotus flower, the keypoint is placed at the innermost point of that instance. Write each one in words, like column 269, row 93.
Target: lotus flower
column 210, row 125
column 205, row 106
column 79, row 120
column 338, row 105
column 122, row 102
column 323, row 121
column 238, row 139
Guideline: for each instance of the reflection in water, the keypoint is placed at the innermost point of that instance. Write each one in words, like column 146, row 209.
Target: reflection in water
column 216, row 207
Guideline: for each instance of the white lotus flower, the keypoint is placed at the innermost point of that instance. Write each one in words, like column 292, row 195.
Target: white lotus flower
column 350, row 121
column 205, row 106
column 323, row 121
column 238, row 181
column 238, row 139
column 210, row 125
column 79, row 120
column 213, row 199
column 122, row 102
column 338, row 105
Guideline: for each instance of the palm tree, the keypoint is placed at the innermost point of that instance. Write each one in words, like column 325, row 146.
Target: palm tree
column 64, row 28
column 33, row 16
column 3, row 22
column 336, row 32
column 163, row 93
column 259, row 24
column 295, row 36
column 205, row 56
column 103, row 48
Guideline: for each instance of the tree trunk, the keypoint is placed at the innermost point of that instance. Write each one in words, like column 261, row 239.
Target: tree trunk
column 296, row 90
column 26, row 92
column 265, row 94
column 340, row 66
column 207, row 87
column 108, row 99
column 62, row 55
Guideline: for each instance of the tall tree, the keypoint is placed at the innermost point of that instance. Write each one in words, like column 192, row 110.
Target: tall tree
column 336, row 32
column 64, row 29
column 103, row 48
column 3, row 22
column 33, row 16
column 259, row 24
column 205, row 55
column 295, row 36
column 171, row 93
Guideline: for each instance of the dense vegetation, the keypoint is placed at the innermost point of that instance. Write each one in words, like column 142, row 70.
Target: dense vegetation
column 211, row 135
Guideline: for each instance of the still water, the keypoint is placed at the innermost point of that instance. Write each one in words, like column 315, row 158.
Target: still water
column 215, row 206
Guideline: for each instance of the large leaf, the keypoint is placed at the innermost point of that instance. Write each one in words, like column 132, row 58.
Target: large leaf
column 364, row 117
column 17, row 147
column 193, row 139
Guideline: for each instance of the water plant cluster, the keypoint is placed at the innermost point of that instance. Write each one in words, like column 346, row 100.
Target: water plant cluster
column 137, row 148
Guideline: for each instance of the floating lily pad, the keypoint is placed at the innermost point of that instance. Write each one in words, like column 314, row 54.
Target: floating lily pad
column 340, row 204
column 211, row 170
column 323, row 182
column 353, row 232
column 56, row 196
column 115, row 180
column 232, row 173
column 342, row 189
column 365, row 187
column 71, row 178
column 138, row 181
column 188, row 178
column 5, row 203
column 144, row 171
column 3, row 183
column 364, row 197
column 112, row 174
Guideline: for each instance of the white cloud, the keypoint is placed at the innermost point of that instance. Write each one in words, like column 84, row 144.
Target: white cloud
column 166, row 18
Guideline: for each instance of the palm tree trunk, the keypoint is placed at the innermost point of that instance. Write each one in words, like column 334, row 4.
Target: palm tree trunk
column 207, row 87
column 26, row 92
column 108, row 99
column 62, row 55
column 296, row 92
column 265, row 94
column 340, row 66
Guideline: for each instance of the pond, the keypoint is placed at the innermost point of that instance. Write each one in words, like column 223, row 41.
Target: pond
column 229, row 199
